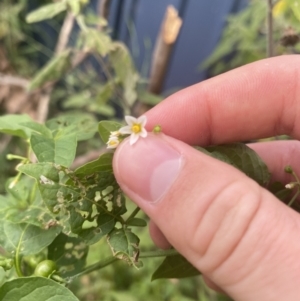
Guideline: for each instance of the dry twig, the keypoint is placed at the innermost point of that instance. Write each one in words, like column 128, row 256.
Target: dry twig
column 62, row 42
column 103, row 8
column 164, row 44
column 65, row 33
column 12, row 80
column 161, row 55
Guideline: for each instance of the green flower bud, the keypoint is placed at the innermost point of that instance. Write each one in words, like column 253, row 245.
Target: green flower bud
column 288, row 169
column 157, row 129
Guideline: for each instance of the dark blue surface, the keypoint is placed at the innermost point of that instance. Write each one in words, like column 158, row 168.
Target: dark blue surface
column 137, row 23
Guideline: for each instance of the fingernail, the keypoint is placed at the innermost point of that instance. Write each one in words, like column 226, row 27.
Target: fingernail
column 148, row 168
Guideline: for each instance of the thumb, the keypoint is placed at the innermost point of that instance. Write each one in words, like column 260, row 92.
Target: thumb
column 235, row 232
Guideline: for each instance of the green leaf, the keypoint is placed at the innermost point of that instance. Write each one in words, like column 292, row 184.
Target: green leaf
column 20, row 190
column 37, row 215
column 98, row 41
column 105, row 223
column 41, row 172
column 95, row 20
column 60, row 150
column 23, row 204
column 103, row 163
column 74, row 6
column 46, row 12
column 78, row 100
column 53, row 70
column 2, row 276
column 295, row 8
column 279, row 190
column 88, row 202
column 124, row 245
column 102, row 109
column 243, row 158
column 81, row 124
column 47, row 177
column 149, row 98
column 105, row 127
column 57, row 197
column 69, row 253
column 175, row 266
column 26, row 239
column 105, row 93
column 35, row 288
column 118, row 203
column 34, row 213
column 136, row 222
column 37, row 128
column 241, row 36
column 122, row 63
column 13, row 125
column 8, row 206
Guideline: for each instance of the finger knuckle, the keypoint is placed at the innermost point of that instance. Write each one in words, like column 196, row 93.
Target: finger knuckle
column 220, row 229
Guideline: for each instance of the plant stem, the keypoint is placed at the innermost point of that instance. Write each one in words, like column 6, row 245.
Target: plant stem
column 109, row 260
column 159, row 253
column 294, row 198
column 296, row 177
column 33, row 193
column 16, row 157
column 18, row 267
column 270, row 28
column 133, row 214
column 81, row 23
column 108, row 74
column 65, row 33
column 18, row 263
column 97, row 266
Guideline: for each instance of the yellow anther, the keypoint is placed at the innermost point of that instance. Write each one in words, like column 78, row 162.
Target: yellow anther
column 136, row 128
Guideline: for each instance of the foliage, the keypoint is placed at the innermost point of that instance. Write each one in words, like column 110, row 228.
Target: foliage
column 77, row 208
column 56, row 217
column 34, row 288
column 245, row 36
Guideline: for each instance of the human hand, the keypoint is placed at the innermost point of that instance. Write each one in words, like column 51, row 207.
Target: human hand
column 243, row 240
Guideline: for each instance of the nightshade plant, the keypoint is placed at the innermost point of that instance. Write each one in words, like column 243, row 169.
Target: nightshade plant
column 52, row 213
column 55, row 213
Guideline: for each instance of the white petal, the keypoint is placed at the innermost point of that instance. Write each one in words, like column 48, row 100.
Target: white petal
column 143, row 133
column 114, row 134
column 125, row 130
column 131, row 120
column 142, row 120
column 113, row 142
column 113, row 138
column 133, row 138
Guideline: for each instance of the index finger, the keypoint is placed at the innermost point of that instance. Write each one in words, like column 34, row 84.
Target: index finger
column 254, row 101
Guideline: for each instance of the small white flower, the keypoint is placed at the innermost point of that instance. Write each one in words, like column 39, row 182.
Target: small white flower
column 114, row 134
column 135, row 128
column 112, row 142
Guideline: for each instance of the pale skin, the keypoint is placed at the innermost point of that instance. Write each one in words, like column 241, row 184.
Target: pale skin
column 244, row 241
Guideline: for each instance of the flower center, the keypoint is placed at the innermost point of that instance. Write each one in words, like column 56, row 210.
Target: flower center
column 113, row 142
column 136, row 128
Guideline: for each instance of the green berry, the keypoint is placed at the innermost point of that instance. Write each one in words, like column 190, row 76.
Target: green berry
column 45, row 268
